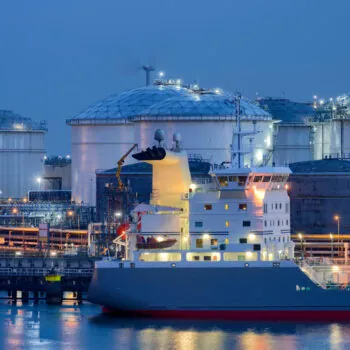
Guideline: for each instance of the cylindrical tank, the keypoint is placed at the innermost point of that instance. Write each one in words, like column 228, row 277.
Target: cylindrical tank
column 21, row 154
column 96, row 147
column 292, row 143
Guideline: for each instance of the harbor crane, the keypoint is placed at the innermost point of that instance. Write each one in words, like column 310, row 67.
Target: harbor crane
column 119, row 168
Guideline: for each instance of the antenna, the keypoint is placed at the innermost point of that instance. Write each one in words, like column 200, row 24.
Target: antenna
column 148, row 69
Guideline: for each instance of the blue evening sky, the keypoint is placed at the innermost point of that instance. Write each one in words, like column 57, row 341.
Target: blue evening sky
column 57, row 57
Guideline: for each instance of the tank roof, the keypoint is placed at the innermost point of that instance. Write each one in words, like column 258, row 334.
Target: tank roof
column 321, row 166
column 286, row 110
column 200, row 105
column 166, row 100
column 10, row 120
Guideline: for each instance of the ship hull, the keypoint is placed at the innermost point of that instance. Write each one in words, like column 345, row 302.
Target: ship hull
column 217, row 293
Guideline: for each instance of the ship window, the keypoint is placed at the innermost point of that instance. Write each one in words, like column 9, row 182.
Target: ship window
column 242, row 206
column 223, row 181
column 198, row 224
column 287, row 207
column 265, row 223
column 280, row 205
column 246, row 223
column 278, row 223
column 208, row 207
column 276, row 206
column 196, row 258
column 287, row 222
column 267, row 179
column 226, row 206
column 214, row 242
column 257, row 178
column 271, row 205
column 265, row 208
column 232, row 178
column 227, row 223
column 242, row 180
column 199, row 243
column 207, row 257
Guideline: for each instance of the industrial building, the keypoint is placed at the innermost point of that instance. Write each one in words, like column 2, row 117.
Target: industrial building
column 21, row 152
column 319, row 193
column 109, row 128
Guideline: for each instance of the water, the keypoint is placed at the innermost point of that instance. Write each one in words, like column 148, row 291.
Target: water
column 83, row 327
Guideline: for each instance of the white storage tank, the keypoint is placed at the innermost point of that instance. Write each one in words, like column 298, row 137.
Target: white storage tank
column 204, row 118
column 21, row 154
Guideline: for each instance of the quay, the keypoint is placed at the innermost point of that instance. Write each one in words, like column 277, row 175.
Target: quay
column 36, row 276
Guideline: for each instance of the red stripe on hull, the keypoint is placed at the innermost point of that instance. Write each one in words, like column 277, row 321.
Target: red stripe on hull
column 239, row 315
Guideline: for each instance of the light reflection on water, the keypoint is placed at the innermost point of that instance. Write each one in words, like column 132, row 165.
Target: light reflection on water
column 83, row 327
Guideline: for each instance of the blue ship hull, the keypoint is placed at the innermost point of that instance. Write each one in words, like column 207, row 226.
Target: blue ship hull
column 216, row 292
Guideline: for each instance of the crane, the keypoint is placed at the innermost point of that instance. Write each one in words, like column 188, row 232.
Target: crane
column 119, row 168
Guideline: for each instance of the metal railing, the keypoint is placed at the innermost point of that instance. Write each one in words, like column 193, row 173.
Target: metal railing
column 30, row 271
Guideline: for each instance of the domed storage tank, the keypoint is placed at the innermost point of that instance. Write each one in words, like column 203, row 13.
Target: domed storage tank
column 204, row 119
column 21, row 153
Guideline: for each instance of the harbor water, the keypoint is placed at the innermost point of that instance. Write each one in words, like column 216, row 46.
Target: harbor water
column 73, row 326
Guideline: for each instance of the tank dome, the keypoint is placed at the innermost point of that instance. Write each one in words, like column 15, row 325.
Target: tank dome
column 130, row 103
column 199, row 105
column 10, row 120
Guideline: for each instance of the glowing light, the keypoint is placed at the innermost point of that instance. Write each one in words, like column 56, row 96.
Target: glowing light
column 53, row 253
column 331, row 99
column 248, row 254
column 118, row 214
column 331, row 236
column 59, row 217
column 259, row 194
column 286, row 186
column 68, row 156
column 10, row 200
column 268, row 141
column 321, row 102
column 252, row 236
column 300, row 236
column 161, row 74
column 193, row 187
column 336, row 217
column 335, row 268
column 334, row 108
column 18, row 253
column 45, row 157
column 206, row 236
column 38, row 179
column 218, row 91
column 25, row 200
column 178, row 81
column 160, row 239
column 14, row 211
column 259, row 155
column 70, row 213
column 315, row 97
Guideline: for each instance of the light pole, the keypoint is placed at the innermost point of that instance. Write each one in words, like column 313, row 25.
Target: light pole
column 331, row 237
column 337, row 219
column 59, row 217
column 301, row 245
column 38, row 180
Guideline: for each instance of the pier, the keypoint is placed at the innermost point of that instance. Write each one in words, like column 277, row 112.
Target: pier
column 44, row 277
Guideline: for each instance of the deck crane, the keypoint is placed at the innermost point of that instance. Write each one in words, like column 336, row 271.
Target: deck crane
column 120, row 164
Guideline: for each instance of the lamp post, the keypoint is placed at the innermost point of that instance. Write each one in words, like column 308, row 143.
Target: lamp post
column 59, row 217
column 337, row 219
column 301, row 245
column 38, row 180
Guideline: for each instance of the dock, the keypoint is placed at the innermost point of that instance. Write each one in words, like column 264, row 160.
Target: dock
column 44, row 277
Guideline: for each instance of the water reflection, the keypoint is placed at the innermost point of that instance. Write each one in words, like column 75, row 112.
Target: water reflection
column 83, row 327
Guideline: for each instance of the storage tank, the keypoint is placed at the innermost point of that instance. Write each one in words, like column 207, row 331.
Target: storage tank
column 204, row 118
column 21, row 154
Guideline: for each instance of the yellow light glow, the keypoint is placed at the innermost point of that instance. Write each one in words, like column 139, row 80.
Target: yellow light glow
column 206, row 236
column 24, row 200
column 300, row 236
column 336, row 217
column 249, row 254
column 226, row 206
column 286, row 186
column 193, row 187
column 14, row 211
column 335, row 268
column 331, row 236
column 160, row 239
column 251, row 236
column 259, row 194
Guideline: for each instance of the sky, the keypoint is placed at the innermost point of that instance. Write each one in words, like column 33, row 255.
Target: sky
column 58, row 57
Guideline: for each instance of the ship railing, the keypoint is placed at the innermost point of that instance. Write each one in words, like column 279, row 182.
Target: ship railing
column 29, row 271
column 311, row 273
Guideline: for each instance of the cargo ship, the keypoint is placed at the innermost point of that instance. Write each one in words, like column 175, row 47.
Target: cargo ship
column 227, row 252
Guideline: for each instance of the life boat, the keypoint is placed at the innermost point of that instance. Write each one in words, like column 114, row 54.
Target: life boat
column 152, row 243
column 122, row 229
